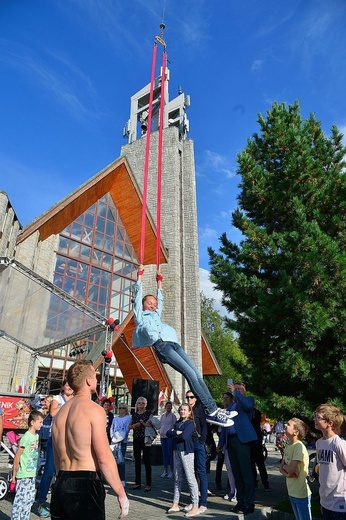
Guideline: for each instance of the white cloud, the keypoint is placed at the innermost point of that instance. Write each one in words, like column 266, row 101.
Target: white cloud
column 226, row 214
column 207, row 234
column 208, row 289
column 108, row 18
column 257, row 65
column 342, row 129
column 273, row 23
column 58, row 75
column 215, row 163
column 218, row 162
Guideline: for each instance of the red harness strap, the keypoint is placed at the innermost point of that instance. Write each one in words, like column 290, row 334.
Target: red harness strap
column 159, row 153
column 159, row 160
column 147, row 150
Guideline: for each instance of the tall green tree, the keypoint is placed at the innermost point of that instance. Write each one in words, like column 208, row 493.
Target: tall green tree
column 285, row 282
column 224, row 345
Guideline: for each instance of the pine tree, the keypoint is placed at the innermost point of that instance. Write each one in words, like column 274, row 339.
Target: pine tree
column 286, row 281
column 225, row 348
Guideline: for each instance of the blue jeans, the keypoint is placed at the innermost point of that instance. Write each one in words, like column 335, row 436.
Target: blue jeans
column 201, row 470
column 301, row 507
column 175, row 356
column 121, row 465
column 167, row 452
column 48, row 473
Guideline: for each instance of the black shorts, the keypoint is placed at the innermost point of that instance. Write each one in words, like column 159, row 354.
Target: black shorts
column 78, row 495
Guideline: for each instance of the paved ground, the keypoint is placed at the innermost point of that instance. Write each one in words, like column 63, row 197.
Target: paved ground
column 154, row 504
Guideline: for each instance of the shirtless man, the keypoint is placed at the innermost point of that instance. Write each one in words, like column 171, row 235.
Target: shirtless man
column 82, row 453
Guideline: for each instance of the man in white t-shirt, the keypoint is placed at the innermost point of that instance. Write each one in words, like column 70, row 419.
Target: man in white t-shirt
column 331, row 458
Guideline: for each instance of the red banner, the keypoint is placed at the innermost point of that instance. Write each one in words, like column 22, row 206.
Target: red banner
column 16, row 411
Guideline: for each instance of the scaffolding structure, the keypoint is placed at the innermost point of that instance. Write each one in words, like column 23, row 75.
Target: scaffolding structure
column 38, row 317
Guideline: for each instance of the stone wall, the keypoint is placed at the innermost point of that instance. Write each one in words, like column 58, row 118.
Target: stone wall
column 9, row 227
column 179, row 236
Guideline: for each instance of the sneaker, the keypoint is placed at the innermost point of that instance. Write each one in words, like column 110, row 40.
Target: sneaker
column 222, row 418
column 43, row 512
column 234, row 499
column 188, row 508
column 226, row 497
column 164, row 474
column 170, row 475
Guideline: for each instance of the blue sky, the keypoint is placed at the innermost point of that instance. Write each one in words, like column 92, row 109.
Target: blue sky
column 69, row 67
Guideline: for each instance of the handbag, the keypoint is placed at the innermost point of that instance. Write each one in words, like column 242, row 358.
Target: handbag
column 118, row 454
column 210, row 450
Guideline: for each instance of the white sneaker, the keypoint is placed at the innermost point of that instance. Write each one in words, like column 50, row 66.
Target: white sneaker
column 226, row 497
column 164, row 474
column 222, row 417
column 188, row 508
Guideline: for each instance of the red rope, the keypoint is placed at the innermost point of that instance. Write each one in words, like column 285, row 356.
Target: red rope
column 159, row 160
column 147, row 150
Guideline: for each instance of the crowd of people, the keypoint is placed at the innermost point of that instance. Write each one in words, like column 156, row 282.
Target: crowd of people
column 87, row 442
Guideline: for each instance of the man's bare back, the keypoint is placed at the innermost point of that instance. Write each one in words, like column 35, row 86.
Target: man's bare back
column 79, row 437
column 76, row 432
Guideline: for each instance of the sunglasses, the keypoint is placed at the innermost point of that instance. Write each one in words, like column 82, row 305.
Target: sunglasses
column 190, row 397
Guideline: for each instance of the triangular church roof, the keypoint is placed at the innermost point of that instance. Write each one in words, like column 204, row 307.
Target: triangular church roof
column 117, row 180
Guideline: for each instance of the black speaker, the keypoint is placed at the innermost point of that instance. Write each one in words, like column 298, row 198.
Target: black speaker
column 156, row 458
column 146, row 388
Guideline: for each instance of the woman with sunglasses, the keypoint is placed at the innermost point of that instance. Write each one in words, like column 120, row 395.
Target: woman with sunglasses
column 140, row 420
column 199, row 438
column 119, row 437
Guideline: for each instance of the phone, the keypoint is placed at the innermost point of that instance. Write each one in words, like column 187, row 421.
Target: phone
column 229, row 382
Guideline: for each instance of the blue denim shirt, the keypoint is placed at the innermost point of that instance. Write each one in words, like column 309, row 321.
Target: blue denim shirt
column 149, row 327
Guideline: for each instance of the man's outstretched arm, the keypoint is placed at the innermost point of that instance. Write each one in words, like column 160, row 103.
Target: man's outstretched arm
column 105, row 459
